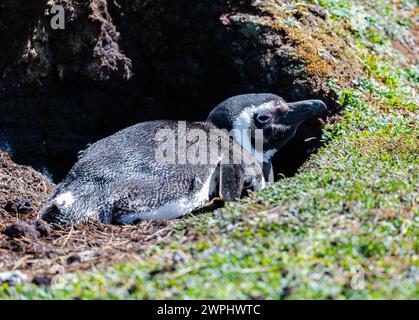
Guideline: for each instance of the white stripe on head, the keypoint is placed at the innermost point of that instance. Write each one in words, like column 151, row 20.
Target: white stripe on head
column 243, row 123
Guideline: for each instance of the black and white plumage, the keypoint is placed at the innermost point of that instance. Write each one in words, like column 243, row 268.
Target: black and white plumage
column 117, row 179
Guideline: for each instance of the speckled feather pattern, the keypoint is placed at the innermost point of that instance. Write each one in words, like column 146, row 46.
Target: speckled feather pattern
column 118, row 179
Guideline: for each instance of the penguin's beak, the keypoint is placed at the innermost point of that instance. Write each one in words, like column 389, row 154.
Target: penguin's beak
column 304, row 110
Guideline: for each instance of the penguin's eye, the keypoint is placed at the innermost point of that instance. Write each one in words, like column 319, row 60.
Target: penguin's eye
column 264, row 118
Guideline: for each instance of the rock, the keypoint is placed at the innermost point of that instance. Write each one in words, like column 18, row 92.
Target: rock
column 42, row 280
column 18, row 205
column 22, row 230
column 41, row 226
column 73, row 259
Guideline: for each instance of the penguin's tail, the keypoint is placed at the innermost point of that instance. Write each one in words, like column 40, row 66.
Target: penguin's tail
column 70, row 206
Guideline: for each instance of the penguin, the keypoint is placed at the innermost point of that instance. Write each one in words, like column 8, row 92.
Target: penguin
column 165, row 169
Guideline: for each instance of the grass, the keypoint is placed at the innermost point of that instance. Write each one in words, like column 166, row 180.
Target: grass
column 345, row 227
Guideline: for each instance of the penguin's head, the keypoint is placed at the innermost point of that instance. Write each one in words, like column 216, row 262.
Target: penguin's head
column 265, row 113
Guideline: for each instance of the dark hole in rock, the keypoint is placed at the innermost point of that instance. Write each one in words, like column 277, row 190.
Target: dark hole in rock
column 181, row 57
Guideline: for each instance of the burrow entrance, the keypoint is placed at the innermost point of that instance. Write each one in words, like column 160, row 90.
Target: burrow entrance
column 117, row 65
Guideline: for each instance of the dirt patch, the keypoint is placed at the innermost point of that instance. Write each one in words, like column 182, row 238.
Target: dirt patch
column 407, row 45
column 39, row 250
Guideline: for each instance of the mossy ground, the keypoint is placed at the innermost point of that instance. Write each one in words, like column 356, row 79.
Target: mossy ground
column 345, row 226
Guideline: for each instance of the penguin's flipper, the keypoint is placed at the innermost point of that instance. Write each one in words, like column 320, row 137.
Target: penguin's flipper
column 231, row 181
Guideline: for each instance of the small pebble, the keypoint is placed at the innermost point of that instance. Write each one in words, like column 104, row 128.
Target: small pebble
column 22, row 230
column 41, row 226
column 18, row 205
